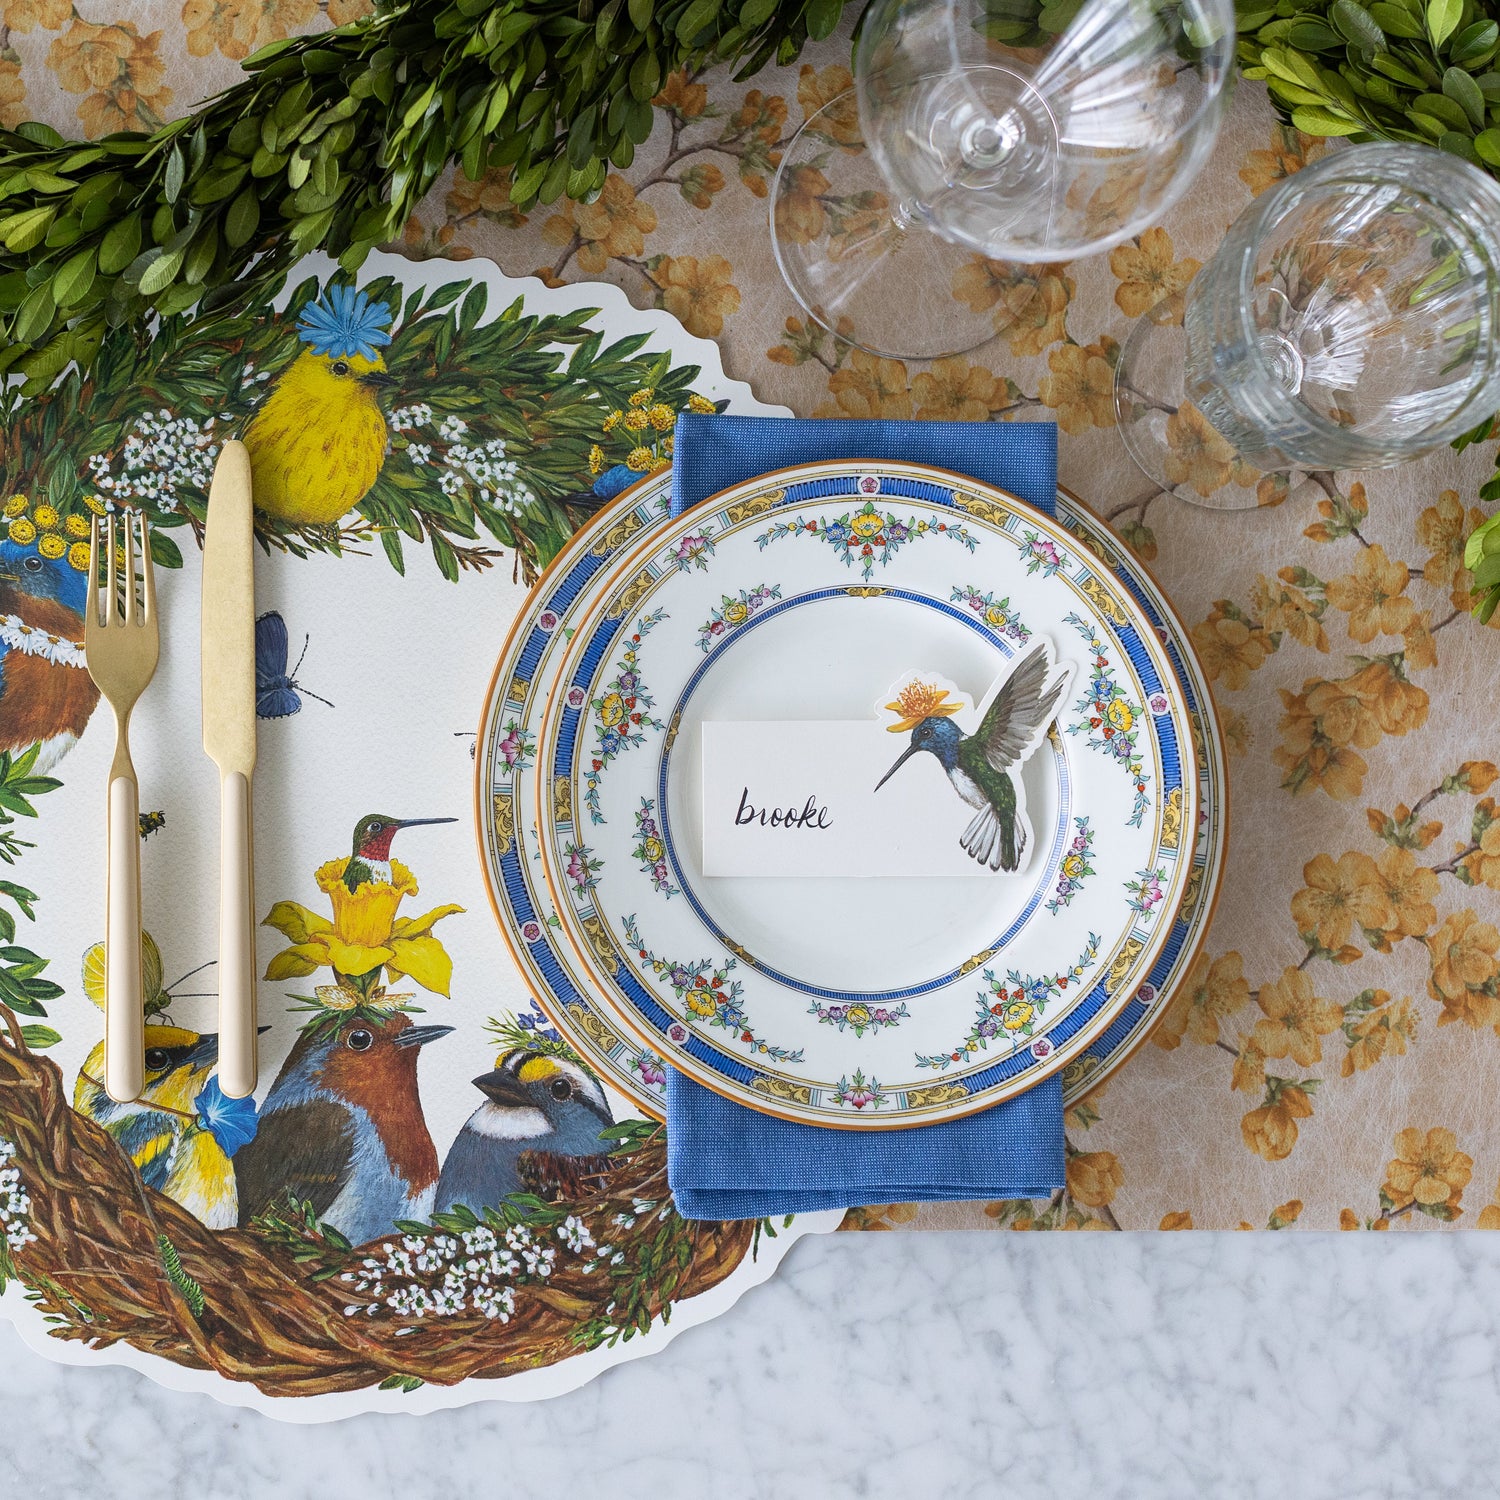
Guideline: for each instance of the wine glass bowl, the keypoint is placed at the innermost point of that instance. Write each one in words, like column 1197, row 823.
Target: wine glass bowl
column 1004, row 129
column 1348, row 320
column 1052, row 150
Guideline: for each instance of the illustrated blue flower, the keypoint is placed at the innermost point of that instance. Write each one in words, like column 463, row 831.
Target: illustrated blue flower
column 344, row 322
column 836, row 532
column 534, row 1020
column 231, row 1122
column 610, row 742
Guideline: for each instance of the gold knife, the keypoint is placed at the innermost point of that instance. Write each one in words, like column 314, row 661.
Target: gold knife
column 229, row 739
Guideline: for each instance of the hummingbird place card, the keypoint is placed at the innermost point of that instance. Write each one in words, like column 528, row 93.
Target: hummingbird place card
column 822, row 798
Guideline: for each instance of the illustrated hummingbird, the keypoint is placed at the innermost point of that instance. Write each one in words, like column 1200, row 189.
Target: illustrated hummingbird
column 46, row 693
column 370, row 859
column 536, row 1132
column 979, row 765
column 343, row 1128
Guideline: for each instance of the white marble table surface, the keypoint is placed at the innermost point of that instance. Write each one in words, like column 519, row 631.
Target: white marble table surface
column 1210, row 1366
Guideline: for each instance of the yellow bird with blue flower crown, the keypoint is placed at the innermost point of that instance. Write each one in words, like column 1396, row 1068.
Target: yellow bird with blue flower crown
column 318, row 441
column 181, row 1130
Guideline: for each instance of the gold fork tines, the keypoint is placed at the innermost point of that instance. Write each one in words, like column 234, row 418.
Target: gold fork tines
column 121, row 646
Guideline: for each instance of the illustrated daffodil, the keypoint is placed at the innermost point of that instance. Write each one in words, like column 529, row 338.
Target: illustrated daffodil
column 365, row 933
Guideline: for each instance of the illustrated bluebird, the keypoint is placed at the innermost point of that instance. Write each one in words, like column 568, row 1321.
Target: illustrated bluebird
column 536, row 1132
column 46, row 693
column 979, row 765
column 181, row 1131
column 342, row 1127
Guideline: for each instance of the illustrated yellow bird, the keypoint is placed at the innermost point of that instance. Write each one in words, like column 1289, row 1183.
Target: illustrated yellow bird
column 318, row 441
column 182, row 1129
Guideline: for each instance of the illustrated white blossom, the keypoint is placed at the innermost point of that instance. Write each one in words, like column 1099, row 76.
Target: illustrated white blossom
column 574, row 1233
column 408, row 418
column 162, row 454
column 469, row 1271
column 15, row 1201
column 496, row 476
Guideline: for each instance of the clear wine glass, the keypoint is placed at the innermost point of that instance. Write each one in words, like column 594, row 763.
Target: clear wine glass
column 1349, row 320
column 1030, row 131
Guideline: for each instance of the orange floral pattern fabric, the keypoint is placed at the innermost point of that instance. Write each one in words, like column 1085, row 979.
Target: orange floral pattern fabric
column 1330, row 1059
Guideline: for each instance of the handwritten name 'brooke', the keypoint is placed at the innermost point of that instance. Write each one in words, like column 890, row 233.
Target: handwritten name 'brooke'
column 809, row 815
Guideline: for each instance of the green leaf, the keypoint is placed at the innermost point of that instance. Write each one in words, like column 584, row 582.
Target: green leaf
column 25, row 231
column 158, row 274
column 121, row 245
column 1442, row 17
column 698, row 15
column 1358, row 27
column 73, row 278
column 1394, row 20
column 1474, row 44
column 822, row 18
column 1460, row 87
column 37, row 1037
column 1311, row 119
column 173, row 178
column 243, row 218
column 33, row 320
column 1314, row 36
column 1441, row 107
column 41, row 135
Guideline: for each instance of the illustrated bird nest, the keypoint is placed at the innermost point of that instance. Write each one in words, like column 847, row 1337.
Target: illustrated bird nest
column 290, row 1306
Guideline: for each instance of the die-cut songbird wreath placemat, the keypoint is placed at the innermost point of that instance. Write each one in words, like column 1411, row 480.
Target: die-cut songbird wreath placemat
column 425, row 440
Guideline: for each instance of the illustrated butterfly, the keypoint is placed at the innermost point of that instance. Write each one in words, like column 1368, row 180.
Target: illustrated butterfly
column 277, row 691
column 157, row 996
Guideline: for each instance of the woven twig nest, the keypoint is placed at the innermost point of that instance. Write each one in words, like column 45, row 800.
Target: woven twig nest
column 293, row 1309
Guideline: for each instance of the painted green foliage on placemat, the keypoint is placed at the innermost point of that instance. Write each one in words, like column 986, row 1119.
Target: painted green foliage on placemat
column 479, row 434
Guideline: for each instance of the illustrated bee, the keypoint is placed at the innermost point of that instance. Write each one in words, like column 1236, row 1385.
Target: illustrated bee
column 150, row 822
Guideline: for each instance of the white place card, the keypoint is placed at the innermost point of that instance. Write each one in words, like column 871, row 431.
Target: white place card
column 799, row 798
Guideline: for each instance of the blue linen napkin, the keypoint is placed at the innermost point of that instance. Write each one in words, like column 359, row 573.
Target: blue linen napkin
column 725, row 1161
column 711, row 453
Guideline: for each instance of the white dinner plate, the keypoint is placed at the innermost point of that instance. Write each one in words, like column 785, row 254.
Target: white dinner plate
column 505, row 767
column 857, row 1002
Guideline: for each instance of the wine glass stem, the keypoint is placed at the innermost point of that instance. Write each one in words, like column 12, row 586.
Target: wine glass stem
column 907, row 214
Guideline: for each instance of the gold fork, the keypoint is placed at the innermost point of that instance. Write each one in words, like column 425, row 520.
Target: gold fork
column 120, row 643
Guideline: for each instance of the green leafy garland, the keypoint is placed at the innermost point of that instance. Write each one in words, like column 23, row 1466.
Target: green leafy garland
column 1395, row 70
column 332, row 140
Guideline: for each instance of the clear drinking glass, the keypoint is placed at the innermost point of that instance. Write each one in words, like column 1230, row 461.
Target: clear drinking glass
column 1348, row 321
column 1028, row 131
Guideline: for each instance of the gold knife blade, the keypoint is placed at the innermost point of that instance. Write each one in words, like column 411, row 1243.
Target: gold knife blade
column 229, row 615
column 229, row 738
